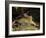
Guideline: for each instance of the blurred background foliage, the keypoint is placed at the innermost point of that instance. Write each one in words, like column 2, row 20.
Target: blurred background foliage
column 34, row 12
